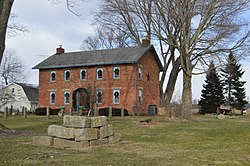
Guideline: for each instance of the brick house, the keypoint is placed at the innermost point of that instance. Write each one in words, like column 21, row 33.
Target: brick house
column 122, row 77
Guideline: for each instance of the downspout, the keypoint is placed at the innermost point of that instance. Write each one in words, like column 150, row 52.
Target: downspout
column 134, row 111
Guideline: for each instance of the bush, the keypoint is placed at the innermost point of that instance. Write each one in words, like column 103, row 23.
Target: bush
column 43, row 111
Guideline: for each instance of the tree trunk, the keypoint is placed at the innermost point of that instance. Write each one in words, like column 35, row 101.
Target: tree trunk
column 187, row 96
column 167, row 96
column 5, row 9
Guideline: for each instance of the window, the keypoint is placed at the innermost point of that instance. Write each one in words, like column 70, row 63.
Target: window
column 53, row 76
column 116, row 96
column 140, row 73
column 116, row 72
column 140, row 96
column 99, row 97
column 13, row 90
column 99, row 74
column 67, row 75
column 66, row 97
column 52, row 98
column 83, row 74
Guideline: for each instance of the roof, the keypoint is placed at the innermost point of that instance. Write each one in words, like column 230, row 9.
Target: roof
column 128, row 55
column 30, row 90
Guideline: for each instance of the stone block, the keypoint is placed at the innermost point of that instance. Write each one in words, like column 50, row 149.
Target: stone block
column 114, row 139
column 98, row 142
column 63, row 143
column 86, row 134
column 42, row 140
column 61, row 132
column 85, row 144
column 98, row 121
column 76, row 121
column 106, row 131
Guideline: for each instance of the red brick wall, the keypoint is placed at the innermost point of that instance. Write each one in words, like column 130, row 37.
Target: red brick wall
column 126, row 82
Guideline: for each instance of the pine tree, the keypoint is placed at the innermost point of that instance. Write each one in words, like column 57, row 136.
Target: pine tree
column 212, row 93
column 233, row 86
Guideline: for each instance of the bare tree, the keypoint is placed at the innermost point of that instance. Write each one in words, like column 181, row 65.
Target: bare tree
column 105, row 39
column 188, row 33
column 12, row 68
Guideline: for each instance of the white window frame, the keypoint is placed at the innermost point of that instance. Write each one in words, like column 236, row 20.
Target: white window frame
column 114, row 76
column 140, row 95
column 52, row 72
column 81, row 74
column 97, row 70
column 65, row 101
column 99, row 91
column 140, row 72
column 50, row 98
column 65, row 78
column 119, row 99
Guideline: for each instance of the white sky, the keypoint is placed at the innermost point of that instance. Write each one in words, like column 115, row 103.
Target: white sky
column 51, row 25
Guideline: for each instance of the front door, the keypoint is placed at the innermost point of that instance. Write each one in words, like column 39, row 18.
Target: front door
column 81, row 98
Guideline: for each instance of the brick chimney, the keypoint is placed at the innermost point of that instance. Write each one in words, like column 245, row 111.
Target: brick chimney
column 145, row 42
column 59, row 50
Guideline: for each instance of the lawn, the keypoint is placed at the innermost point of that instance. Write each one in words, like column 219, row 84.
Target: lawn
column 201, row 141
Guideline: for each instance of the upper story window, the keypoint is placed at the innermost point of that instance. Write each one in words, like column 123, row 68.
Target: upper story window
column 116, row 72
column 140, row 96
column 66, row 97
column 52, row 76
column 99, row 74
column 67, row 75
column 140, row 72
column 99, row 97
column 52, row 97
column 13, row 90
column 83, row 74
column 116, row 96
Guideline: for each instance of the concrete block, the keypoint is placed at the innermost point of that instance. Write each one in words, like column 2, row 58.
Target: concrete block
column 86, row 134
column 63, row 143
column 106, row 131
column 98, row 142
column 114, row 139
column 76, row 121
column 42, row 140
column 61, row 132
column 98, row 121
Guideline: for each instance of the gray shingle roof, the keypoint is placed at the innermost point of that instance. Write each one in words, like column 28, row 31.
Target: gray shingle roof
column 31, row 91
column 97, row 58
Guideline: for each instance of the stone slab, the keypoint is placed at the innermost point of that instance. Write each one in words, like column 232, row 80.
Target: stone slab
column 76, row 121
column 63, row 143
column 106, row 131
column 98, row 142
column 86, row 134
column 98, row 121
column 114, row 139
column 61, row 132
column 42, row 140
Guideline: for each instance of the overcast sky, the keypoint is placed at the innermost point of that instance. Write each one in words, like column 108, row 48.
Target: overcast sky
column 51, row 25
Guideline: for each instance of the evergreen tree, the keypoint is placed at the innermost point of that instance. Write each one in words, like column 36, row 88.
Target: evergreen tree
column 233, row 86
column 212, row 93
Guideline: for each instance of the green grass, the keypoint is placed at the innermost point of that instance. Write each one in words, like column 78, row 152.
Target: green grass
column 202, row 141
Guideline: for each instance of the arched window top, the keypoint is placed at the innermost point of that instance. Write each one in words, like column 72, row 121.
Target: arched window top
column 67, row 75
column 52, row 76
column 83, row 74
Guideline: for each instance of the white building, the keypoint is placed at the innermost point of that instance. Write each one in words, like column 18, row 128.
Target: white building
column 19, row 95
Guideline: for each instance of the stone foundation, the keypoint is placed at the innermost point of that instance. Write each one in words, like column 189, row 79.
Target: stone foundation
column 79, row 132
